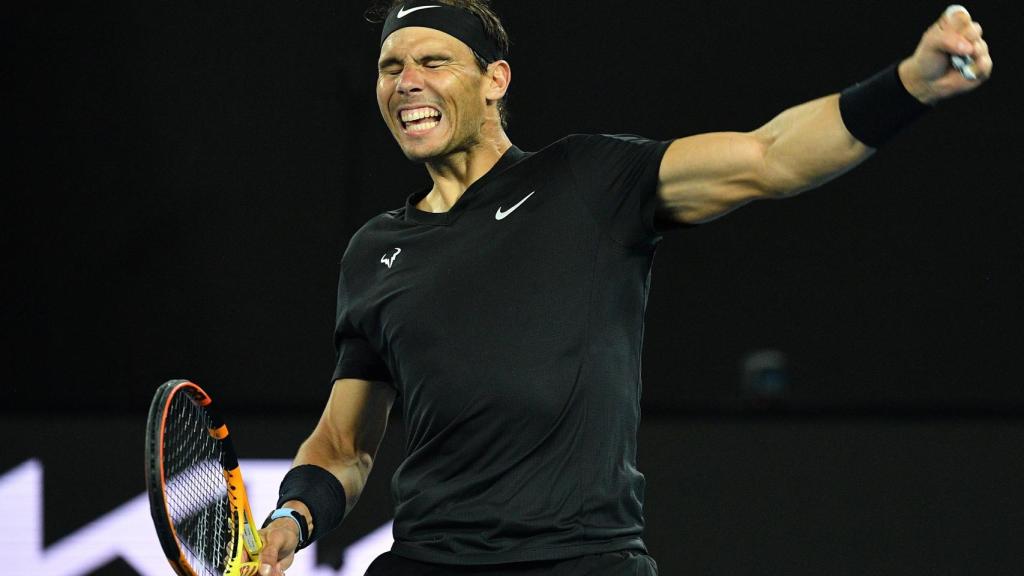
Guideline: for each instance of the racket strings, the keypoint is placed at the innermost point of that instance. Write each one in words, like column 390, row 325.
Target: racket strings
column 196, row 491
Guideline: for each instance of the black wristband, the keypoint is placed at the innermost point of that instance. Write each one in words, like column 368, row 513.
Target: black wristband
column 876, row 109
column 321, row 492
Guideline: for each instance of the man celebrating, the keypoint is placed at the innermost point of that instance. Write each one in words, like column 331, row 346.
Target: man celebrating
column 504, row 304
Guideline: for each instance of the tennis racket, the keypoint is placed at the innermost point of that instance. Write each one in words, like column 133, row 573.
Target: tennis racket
column 196, row 495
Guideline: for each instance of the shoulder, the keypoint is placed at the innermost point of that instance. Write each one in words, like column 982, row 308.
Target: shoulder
column 370, row 235
column 609, row 154
column 605, row 147
column 584, row 140
column 378, row 224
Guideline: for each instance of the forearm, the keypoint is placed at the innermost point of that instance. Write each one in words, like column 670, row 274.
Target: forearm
column 806, row 146
column 704, row 176
column 343, row 445
column 346, row 439
column 349, row 466
column 810, row 144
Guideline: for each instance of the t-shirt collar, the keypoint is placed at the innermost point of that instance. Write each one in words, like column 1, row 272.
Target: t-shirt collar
column 507, row 160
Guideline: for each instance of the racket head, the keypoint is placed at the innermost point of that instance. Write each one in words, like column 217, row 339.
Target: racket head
column 196, row 494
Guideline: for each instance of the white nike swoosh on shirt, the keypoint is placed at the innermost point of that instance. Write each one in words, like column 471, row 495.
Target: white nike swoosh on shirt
column 402, row 12
column 500, row 214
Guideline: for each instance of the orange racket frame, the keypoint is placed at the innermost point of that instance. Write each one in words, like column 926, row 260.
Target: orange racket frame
column 246, row 543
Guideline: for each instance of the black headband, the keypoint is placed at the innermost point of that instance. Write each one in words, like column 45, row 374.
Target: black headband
column 456, row 22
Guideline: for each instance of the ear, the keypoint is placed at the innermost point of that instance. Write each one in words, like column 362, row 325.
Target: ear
column 498, row 78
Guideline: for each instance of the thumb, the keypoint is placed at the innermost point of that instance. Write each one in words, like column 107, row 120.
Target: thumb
column 958, row 35
column 958, row 30
column 950, row 30
column 279, row 541
column 956, row 17
column 270, row 556
column 268, row 559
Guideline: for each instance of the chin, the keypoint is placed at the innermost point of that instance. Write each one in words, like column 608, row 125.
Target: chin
column 418, row 156
column 420, row 152
column 439, row 146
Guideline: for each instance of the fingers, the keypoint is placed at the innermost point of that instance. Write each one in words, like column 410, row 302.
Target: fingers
column 982, row 66
column 961, row 37
column 985, row 66
column 279, row 541
column 974, row 33
column 271, row 564
column 957, row 32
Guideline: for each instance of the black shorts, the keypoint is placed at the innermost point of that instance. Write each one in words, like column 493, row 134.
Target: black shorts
column 624, row 563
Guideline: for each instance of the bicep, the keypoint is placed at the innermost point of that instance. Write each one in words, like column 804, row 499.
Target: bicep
column 705, row 176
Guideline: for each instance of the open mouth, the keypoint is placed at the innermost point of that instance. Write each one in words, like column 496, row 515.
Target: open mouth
column 418, row 120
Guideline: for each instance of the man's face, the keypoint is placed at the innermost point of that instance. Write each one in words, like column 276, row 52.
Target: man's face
column 431, row 93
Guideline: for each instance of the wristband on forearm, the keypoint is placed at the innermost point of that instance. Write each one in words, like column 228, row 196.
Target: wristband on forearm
column 876, row 109
column 322, row 494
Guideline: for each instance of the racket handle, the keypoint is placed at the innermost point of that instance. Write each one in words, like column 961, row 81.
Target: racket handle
column 248, row 568
column 965, row 64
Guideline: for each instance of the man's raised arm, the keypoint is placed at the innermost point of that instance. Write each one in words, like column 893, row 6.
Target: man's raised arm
column 705, row 176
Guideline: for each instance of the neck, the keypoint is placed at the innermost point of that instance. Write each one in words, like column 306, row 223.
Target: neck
column 454, row 173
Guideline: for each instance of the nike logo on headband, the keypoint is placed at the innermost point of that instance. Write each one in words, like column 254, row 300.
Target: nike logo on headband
column 402, row 13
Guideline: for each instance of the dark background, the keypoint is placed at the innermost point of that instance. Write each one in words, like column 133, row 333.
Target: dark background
column 184, row 177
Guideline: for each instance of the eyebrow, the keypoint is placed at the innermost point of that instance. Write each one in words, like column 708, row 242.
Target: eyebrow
column 392, row 60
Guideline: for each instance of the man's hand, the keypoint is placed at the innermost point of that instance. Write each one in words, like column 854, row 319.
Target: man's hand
column 280, row 538
column 930, row 75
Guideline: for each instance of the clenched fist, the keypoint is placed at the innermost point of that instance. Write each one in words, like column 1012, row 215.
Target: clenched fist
column 930, row 75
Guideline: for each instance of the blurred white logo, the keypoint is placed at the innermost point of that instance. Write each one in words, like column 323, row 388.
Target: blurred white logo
column 127, row 532
column 402, row 13
column 390, row 260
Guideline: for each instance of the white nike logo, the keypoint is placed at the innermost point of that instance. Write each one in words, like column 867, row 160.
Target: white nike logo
column 402, row 13
column 385, row 260
column 500, row 214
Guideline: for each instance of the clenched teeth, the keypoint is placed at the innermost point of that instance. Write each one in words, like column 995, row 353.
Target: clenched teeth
column 418, row 113
column 422, row 126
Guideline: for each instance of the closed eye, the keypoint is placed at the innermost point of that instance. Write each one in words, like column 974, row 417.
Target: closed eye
column 393, row 66
column 435, row 60
column 389, row 66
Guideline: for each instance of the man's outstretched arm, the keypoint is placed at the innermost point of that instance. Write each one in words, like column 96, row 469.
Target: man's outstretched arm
column 705, row 176
column 344, row 444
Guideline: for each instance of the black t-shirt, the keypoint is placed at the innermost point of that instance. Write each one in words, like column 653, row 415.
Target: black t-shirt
column 511, row 327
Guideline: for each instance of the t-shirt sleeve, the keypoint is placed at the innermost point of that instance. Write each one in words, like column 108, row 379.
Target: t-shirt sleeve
column 617, row 175
column 355, row 357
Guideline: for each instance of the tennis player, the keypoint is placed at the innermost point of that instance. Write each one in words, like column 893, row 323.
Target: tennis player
column 504, row 303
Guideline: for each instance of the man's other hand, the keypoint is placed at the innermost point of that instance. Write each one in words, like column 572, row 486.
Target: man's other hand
column 930, row 74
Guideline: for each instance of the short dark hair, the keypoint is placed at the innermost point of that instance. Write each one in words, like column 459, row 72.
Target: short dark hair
column 378, row 13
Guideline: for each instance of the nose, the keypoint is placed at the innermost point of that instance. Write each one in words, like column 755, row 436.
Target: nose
column 410, row 80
